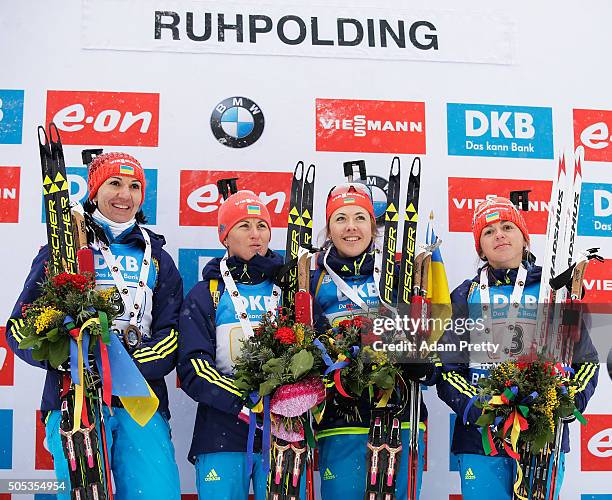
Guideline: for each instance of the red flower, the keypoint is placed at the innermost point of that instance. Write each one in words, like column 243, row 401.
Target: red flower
column 508, row 383
column 285, row 335
column 78, row 281
column 345, row 324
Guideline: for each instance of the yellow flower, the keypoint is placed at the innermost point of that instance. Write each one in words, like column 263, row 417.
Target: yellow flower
column 299, row 333
column 107, row 293
column 47, row 317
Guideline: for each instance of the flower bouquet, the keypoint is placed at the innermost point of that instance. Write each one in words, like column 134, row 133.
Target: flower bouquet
column 523, row 403
column 353, row 366
column 68, row 304
column 280, row 363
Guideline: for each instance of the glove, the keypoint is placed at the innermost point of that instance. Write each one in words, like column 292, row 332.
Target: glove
column 418, row 371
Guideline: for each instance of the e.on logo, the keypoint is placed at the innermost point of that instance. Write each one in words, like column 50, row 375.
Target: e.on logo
column 593, row 130
column 370, row 126
column 596, row 443
column 465, row 194
column 200, row 197
column 105, row 118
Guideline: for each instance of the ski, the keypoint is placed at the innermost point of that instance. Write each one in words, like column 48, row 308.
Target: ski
column 559, row 321
column 411, row 217
column 386, row 256
column 294, row 229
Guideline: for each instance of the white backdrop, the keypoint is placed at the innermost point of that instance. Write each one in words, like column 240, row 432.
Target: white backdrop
column 546, row 54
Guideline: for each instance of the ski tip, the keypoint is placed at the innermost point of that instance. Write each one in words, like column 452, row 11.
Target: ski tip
column 561, row 164
column 395, row 165
column 415, row 169
column 310, row 173
column 578, row 159
column 299, row 169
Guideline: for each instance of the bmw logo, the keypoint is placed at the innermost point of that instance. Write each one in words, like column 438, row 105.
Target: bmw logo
column 237, row 122
column 378, row 186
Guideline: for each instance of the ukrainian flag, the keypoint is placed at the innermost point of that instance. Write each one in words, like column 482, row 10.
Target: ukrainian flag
column 437, row 288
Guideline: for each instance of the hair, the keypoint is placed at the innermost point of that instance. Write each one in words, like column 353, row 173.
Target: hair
column 90, row 207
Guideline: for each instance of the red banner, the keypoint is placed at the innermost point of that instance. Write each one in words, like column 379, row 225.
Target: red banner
column 593, row 129
column 370, row 126
column 596, row 443
column 9, row 194
column 104, row 118
column 7, row 361
column 464, row 194
column 200, row 197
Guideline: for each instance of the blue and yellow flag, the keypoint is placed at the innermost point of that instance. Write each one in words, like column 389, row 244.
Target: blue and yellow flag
column 437, row 287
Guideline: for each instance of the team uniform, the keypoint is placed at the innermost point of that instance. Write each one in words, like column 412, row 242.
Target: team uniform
column 343, row 433
column 209, row 347
column 141, row 458
column 457, row 385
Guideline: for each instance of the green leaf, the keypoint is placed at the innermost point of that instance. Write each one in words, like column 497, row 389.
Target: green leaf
column 301, row 363
column 32, row 341
column 54, row 335
column 59, row 351
column 41, row 353
column 242, row 383
column 486, row 419
column 268, row 386
column 273, row 366
column 383, row 379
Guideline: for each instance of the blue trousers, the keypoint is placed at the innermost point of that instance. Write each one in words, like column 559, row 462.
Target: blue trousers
column 342, row 465
column 141, row 458
column 480, row 475
column 223, row 476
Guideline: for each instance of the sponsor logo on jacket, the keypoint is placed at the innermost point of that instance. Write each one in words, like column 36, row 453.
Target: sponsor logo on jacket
column 105, row 118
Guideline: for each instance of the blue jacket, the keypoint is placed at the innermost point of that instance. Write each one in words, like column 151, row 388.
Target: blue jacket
column 456, row 387
column 156, row 356
column 357, row 272
column 204, row 376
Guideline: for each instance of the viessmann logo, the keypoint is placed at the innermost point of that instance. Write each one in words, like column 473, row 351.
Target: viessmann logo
column 464, row 195
column 370, row 126
column 598, row 286
column 593, row 129
column 105, row 118
column 200, row 197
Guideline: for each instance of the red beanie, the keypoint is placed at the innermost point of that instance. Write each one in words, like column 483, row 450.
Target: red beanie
column 108, row 164
column 239, row 206
column 349, row 194
column 496, row 209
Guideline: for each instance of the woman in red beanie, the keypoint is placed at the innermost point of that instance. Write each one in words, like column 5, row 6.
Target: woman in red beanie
column 218, row 313
column 131, row 258
column 508, row 275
